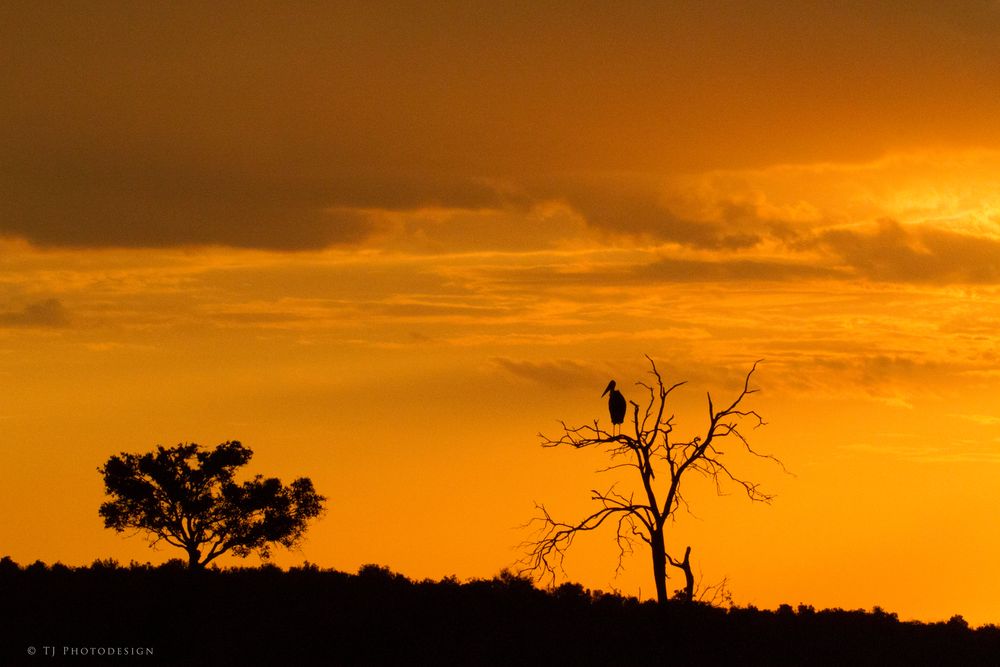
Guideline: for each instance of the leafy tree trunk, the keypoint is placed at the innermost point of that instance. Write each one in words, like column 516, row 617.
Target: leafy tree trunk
column 659, row 553
column 194, row 558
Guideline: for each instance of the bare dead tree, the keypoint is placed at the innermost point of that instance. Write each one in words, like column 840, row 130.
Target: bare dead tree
column 661, row 464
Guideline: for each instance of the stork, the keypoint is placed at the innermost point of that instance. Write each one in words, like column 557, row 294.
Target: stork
column 616, row 405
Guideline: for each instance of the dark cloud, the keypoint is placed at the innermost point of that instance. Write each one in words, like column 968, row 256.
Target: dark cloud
column 212, row 123
column 885, row 373
column 892, row 252
column 47, row 313
column 102, row 197
column 625, row 211
column 556, row 374
column 128, row 201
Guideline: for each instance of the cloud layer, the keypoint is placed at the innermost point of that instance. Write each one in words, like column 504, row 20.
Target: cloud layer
column 298, row 128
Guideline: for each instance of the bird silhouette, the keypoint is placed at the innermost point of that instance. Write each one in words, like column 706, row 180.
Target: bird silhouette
column 616, row 405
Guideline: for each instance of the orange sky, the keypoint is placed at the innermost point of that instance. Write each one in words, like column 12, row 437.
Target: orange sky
column 385, row 245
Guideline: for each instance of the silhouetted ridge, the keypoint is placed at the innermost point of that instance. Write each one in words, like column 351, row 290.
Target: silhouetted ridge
column 308, row 615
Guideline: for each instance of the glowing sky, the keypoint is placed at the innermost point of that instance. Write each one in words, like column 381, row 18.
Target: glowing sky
column 386, row 244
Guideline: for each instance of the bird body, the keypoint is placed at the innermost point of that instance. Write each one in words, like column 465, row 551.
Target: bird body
column 616, row 403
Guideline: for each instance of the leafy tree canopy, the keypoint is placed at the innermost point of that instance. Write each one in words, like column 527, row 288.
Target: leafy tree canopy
column 186, row 496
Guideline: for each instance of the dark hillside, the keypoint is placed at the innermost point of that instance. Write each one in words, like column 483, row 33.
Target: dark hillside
column 309, row 616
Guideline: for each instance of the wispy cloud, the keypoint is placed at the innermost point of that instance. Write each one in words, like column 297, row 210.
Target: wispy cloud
column 930, row 454
column 47, row 313
column 556, row 374
column 915, row 254
column 982, row 420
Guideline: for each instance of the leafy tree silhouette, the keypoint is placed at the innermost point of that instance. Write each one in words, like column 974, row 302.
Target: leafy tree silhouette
column 661, row 465
column 185, row 496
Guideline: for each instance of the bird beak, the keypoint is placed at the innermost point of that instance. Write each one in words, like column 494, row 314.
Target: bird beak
column 608, row 388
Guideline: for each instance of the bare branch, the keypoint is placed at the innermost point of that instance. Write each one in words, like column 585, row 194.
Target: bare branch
column 715, row 595
column 546, row 554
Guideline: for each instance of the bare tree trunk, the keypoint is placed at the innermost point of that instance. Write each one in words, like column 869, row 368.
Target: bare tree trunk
column 194, row 558
column 688, row 576
column 685, row 565
column 659, row 553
